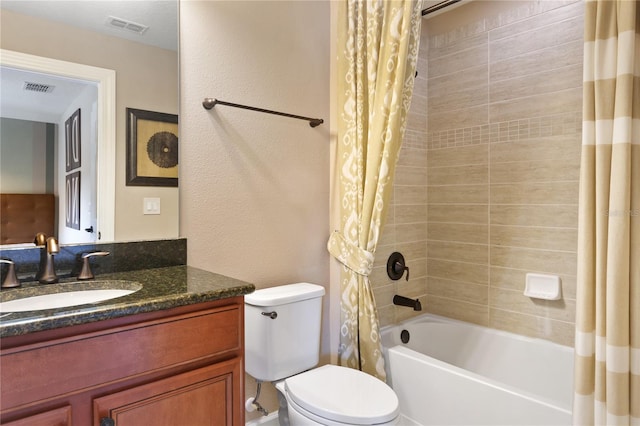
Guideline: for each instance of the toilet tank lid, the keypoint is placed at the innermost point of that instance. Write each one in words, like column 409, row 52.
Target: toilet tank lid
column 283, row 294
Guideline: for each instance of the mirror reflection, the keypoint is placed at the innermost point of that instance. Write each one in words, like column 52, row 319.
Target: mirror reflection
column 34, row 157
column 138, row 41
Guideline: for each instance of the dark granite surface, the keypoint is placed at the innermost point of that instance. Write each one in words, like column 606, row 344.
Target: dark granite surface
column 162, row 288
column 123, row 256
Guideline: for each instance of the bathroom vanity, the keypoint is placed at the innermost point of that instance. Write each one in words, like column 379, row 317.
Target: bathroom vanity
column 168, row 354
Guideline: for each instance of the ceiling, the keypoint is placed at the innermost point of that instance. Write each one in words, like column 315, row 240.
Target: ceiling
column 18, row 103
column 160, row 16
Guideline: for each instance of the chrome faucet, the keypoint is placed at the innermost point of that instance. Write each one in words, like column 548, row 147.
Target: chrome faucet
column 47, row 271
column 405, row 301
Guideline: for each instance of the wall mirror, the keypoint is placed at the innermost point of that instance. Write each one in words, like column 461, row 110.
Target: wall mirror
column 152, row 23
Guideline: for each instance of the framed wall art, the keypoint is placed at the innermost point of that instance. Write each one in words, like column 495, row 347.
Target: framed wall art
column 152, row 148
column 72, row 141
column 72, row 200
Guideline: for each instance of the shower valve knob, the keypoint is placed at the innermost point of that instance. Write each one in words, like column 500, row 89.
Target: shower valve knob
column 396, row 266
column 399, row 269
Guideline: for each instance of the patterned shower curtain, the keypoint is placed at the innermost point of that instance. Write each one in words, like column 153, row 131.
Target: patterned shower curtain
column 607, row 372
column 378, row 50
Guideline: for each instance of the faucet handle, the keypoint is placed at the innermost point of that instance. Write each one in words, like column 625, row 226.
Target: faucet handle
column 40, row 239
column 399, row 269
column 86, row 273
column 52, row 246
column 11, row 280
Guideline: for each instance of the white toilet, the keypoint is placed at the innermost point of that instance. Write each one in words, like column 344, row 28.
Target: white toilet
column 282, row 345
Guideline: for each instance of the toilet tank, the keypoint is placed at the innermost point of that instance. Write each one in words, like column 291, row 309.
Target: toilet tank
column 282, row 330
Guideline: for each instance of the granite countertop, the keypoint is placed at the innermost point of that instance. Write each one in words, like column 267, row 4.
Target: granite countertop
column 162, row 288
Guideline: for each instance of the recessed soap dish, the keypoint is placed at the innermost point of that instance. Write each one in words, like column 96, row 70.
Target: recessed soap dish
column 541, row 286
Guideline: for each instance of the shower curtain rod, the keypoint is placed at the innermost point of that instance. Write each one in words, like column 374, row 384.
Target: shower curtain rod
column 209, row 103
column 438, row 6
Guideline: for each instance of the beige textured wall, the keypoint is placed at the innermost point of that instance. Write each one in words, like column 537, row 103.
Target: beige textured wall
column 23, row 157
column 254, row 199
column 503, row 110
column 146, row 78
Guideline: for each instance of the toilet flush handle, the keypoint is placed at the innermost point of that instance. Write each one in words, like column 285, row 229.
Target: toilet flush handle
column 272, row 314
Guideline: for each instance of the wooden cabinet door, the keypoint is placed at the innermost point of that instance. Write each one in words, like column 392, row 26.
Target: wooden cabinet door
column 203, row 397
column 58, row 417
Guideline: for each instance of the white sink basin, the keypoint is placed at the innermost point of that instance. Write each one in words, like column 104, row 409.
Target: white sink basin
column 68, row 296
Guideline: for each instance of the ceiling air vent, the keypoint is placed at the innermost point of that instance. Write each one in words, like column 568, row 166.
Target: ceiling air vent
column 38, row 87
column 124, row 24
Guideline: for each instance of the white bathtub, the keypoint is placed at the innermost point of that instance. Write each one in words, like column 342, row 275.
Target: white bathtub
column 455, row 373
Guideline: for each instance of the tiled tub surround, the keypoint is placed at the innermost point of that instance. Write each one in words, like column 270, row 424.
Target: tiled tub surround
column 487, row 183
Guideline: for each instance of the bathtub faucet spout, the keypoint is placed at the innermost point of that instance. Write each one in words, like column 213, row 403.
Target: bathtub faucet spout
column 405, row 301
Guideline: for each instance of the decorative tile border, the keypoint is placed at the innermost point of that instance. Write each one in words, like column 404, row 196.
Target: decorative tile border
column 415, row 139
column 508, row 131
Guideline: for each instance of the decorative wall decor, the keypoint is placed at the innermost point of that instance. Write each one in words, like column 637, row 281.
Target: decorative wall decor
column 72, row 198
column 152, row 148
column 72, row 141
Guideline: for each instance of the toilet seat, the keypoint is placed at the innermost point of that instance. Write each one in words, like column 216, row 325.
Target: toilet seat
column 343, row 395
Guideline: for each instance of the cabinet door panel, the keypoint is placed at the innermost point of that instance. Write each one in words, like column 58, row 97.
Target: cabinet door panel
column 202, row 397
column 197, row 405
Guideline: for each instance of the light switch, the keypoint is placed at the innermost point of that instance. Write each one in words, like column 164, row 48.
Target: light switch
column 151, row 206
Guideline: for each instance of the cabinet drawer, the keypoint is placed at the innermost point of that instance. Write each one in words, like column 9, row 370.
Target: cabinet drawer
column 58, row 417
column 84, row 361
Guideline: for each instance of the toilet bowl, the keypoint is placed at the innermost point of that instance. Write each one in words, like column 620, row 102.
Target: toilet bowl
column 338, row 396
column 282, row 342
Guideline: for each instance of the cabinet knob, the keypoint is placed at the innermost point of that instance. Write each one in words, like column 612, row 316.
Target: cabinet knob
column 107, row 421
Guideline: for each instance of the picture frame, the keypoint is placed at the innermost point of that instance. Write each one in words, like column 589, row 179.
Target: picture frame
column 72, row 139
column 152, row 148
column 72, row 200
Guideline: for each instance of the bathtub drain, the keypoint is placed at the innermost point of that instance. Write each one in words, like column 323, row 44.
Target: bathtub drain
column 404, row 336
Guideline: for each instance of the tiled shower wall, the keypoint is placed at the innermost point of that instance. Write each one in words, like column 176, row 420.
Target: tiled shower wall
column 487, row 184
